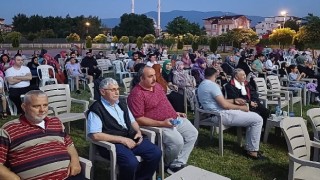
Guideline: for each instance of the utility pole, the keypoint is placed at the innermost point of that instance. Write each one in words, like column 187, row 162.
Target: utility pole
column 132, row 6
column 159, row 17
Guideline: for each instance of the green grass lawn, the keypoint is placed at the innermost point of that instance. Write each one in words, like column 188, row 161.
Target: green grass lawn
column 206, row 155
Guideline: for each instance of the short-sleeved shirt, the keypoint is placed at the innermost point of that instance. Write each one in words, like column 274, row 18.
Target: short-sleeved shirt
column 151, row 104
column 74, row 68
column 258, row 65
column 207, row 92
column 95, row 123
column 33, row 152
column 23, row 71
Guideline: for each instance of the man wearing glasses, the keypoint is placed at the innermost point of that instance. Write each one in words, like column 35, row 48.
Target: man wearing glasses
column 110, row 120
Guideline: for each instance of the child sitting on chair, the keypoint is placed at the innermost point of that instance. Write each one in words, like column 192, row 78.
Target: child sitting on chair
column 74, row 71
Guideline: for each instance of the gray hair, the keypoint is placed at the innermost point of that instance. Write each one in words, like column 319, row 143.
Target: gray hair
column 106, row 82
column 37, row 93
column 236, row 71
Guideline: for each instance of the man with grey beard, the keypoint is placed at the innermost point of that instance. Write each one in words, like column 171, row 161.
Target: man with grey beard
column 36, row 146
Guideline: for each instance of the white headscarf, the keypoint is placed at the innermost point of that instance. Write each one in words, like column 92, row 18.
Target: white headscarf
column 241, row 86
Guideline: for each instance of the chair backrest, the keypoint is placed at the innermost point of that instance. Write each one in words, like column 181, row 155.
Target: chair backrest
column 112, row 56
column 314, row 115
column 274, row 84
column 127, row 84
column 102, row 64
column 297, row 138
column 119, row 68
column 43, row 71
column 58, row 97
column 261, row 87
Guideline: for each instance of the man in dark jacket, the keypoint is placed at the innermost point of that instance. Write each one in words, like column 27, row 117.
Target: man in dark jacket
column 110, row 120
column 92, row 65
column 238, row 87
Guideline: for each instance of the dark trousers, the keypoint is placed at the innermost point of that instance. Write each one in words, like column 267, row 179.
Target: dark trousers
column 262, row 111
column 95, row 72
column 77, row 177
column 129, row 166
column 15, row 93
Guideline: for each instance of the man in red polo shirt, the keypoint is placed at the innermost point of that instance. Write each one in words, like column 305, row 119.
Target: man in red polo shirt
column 150, row 106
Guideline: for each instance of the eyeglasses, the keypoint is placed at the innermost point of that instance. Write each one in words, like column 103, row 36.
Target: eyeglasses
column 113, row 89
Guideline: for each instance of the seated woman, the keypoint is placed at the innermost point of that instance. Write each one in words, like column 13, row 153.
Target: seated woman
column 228, row 66
column 197, row 70
column 238, row 87
column 294, row 75
column 184, row 81
column 176, row 99
column 32, row 65
column 5, row 62
column 167, row 73
column 74, row 71
column 3, row 97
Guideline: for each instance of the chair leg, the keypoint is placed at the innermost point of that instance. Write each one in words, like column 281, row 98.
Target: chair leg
column 266, row 132
column 239, row 134
column 220, row 141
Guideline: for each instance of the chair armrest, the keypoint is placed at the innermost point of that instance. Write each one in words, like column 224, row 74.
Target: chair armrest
column 304, row 162
column 315, row 143
column 108, row 145
column 55, row 112
column 151, row 134
column 86, row 166
column 83, row 102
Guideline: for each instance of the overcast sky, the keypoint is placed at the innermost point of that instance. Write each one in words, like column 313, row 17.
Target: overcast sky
column 115, row 8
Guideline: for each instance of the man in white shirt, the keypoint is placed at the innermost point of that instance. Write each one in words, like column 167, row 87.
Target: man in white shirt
column 18, row 77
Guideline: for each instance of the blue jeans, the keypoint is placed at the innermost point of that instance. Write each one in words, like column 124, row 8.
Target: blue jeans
column 129, row 166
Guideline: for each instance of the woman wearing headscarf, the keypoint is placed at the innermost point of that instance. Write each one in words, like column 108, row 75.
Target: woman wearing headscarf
column 239, row 87
column 167, row 71
column 184, row 81
column 175, row 98
column 228, row 66
column 197, row 70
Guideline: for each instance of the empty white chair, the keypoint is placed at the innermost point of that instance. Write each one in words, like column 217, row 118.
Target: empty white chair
column 44, row 75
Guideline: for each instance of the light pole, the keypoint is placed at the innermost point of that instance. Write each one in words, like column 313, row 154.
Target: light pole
column 284, row 14
column 87, row 25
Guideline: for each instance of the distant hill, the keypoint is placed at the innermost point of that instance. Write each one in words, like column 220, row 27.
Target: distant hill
column 192, row 16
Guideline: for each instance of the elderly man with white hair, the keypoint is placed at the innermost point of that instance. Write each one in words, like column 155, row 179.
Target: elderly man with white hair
column 110, row 120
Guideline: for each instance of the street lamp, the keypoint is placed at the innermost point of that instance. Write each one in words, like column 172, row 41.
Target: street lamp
column 284, row 14
column 87, row 25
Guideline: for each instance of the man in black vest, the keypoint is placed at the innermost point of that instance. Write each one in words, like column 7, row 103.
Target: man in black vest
column 112, row 121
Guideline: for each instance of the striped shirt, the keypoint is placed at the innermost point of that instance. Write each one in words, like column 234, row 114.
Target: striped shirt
column 32, row 152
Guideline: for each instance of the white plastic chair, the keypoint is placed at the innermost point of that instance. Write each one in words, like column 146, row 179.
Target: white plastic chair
column 119, row 69
column 299, row 147
column 44, row 76
column 127, row 85
column 59, row 100
column 314, row 115
column 104, row 65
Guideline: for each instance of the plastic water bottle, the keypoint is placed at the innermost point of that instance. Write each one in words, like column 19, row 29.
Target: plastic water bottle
column 278, row 111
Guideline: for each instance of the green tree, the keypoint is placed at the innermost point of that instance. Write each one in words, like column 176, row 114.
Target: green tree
column 139, row 42
column 88, row 42
column 124, row 40
column 100, row 38
column 47, row 33
column 283, row 36
column 115, row 39
column 213, row 44
column 149, row 38
column 168, row 40
column 1, row 38
column 181, row 25
column 20, row 23
column 238, row 36
column 132, row 39
column 292, row 24
column 203, row 40
column 73, row 37
column 180, row 44
column 13, row 35
column 187, row 39
column 31, row 37
column 310, row 33
column 134, row 25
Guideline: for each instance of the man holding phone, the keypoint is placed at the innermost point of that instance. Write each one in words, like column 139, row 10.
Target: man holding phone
column 112, row 121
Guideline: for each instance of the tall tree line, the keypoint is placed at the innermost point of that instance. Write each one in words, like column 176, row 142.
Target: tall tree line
column 61, row 26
